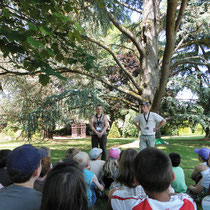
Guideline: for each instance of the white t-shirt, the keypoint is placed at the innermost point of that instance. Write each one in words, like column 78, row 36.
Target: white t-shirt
column 124, row 199
column 148, row 122
column 206, row 178
column 96, row 167
column 180, row 201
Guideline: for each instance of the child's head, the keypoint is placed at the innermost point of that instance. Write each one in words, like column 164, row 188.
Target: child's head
column 71, row 152
column 175, row 159
column 95, row 153
column 110, row 168
column 203, row 154
column 126, row 168
column 82, row 159
column 47, row 149
column 65, row 188
column 153, row 170
column 114, row 153
column 3, row 157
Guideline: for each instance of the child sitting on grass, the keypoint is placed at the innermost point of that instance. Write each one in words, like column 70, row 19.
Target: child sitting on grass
column 153, row 171
column 110, row 167
column 124, row 187
column 203, row 156
column 96, row 164
column 83, row 160
column 178, row 184
column 203, row 185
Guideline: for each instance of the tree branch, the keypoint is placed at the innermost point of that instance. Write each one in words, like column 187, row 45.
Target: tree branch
column 127, row 33
column 190, row 60
column 180, row 43
column 122, row 90
column 168, row 52
column 127, row 73
column 129, row 7
column 8, row 72
column 200, row 41
column 181, row 12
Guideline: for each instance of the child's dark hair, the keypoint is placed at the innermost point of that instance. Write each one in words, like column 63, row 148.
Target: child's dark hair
column 126, row 168
column 3, row 157
column 175, row 159
column 71, row 152
column 65, row 188
column 153, row 170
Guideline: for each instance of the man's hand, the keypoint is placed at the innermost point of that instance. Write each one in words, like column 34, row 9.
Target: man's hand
column 155, row 129
column 99, row 135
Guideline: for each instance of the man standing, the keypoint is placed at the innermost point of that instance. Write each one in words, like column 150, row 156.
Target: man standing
column 146, row 123
column 99, row 124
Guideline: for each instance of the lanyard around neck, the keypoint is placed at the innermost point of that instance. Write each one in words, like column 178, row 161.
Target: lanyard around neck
column 147, row 118
column 98, row 118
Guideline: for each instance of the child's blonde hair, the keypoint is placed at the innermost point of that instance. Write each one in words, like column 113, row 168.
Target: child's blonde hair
column 110, row 167
column 82, row 158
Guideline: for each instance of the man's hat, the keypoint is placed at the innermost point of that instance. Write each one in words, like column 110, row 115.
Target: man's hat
column 146, row 103
column 25, row 159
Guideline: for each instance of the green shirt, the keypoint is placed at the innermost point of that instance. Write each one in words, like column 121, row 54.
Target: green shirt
column 179, row 184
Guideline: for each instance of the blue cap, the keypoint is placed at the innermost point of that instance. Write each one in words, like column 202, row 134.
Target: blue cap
column 203, row 152
column 95, row 152
column 24, row 159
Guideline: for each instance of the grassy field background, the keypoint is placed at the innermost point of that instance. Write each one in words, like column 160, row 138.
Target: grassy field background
column 183, row 145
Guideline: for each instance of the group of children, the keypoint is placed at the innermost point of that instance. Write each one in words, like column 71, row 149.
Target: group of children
column 149, row 179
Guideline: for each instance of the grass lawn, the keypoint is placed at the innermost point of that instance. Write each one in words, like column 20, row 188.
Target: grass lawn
column 183, row 145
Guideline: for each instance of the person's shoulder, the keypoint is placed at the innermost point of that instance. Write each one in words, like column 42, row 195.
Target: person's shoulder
column 138, row 116
column 99, row 162
column 88, row 172
column 155, row 114
column 188, row 201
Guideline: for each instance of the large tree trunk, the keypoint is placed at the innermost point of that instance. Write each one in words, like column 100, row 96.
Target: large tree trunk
column 48, row 134
column 150, row 70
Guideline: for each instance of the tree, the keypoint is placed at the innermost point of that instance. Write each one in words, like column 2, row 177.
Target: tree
column 41, row 109
column 186, row 112
column 49, row 43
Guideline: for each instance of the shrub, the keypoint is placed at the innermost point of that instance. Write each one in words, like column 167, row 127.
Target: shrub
column 114, row 131
column 129, row 129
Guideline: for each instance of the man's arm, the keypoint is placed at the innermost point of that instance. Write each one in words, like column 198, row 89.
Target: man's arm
column 163, row 122
column 92, row 126
column 136, row 123
column 106, row 125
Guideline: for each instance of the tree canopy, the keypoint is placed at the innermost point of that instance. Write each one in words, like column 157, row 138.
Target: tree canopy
column 53, row 37
column 134, row 60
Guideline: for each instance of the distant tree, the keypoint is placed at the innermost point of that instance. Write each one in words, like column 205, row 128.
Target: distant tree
column 186, row 112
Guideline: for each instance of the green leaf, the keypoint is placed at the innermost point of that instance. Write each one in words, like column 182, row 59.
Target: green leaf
column 68, row 8
column 50, row 51
column 44, row 79
column 50, row 71
column 59, row 57
column 35, row 43
column 6, row 12
column 45, row 31
column 77, row 36
column 63, row 18
column 79, row 28
column 32, row 27
column 71, row 60
column 71, row 36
